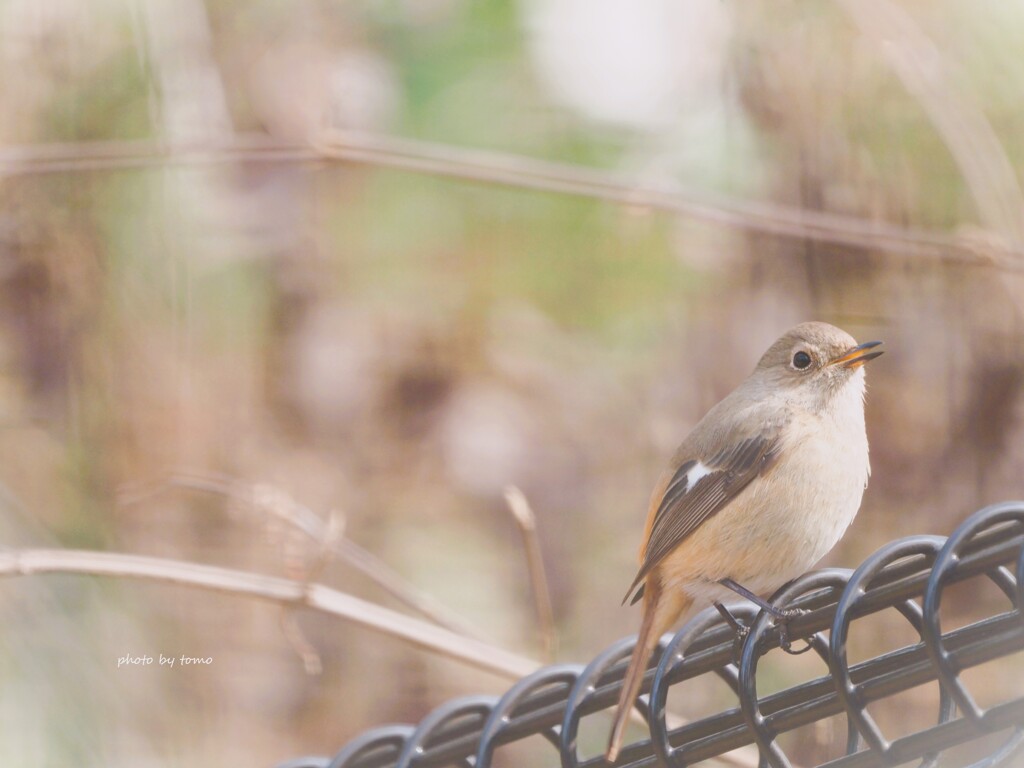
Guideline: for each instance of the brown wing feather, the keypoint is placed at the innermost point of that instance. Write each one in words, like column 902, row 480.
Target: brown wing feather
column 683, row 509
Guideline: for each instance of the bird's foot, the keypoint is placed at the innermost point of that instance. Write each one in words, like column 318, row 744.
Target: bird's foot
column 781, row 616
column 782, row 619
column 741, row 630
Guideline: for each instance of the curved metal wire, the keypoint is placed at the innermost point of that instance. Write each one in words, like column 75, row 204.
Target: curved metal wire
column 908, row 576
column 851, row 693
column 552, row 684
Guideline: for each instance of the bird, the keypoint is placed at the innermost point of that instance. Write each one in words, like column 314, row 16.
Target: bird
column 761, row 489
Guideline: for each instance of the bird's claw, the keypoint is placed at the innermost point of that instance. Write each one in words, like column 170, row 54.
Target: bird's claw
column 741, row 630
column 782, row 620
column 738, row 643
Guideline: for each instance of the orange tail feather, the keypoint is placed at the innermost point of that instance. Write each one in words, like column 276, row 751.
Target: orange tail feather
column 660, row 612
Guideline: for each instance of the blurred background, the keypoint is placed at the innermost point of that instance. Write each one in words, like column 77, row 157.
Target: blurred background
column 386, row 258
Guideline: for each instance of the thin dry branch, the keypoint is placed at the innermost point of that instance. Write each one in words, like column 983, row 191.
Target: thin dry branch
column 527, row 522
column 524, row 173
column 273, row 501
column 529, row 173
column 316, row 596
column 289, row 626
column 967, row 133
column 476, row 653
column 928, row 76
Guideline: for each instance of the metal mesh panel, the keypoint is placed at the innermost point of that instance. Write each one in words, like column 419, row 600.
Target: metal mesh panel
column 908, row 575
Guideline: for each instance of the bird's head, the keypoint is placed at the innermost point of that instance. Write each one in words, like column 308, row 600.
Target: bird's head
column 813, row 362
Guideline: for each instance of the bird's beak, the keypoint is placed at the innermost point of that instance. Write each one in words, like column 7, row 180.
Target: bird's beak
column 857, row 356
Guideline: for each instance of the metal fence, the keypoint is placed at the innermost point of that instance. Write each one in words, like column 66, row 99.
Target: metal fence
column 908, row 575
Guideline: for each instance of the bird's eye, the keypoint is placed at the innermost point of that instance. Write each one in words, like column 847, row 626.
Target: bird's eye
column 801, row 360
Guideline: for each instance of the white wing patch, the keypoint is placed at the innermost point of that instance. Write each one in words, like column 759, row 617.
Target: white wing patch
column 697, row 471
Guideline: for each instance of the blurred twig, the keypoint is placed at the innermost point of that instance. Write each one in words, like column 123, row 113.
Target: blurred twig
column 527, row 522
column 479, row 654
column 524, row 173
column 285, row 591
column 926, row 74
column 289, row 625
column 177, row 43
column 972, row 141
column 275, row 502
column 769, row 218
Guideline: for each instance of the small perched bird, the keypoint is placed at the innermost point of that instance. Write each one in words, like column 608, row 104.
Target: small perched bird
column 765, row 484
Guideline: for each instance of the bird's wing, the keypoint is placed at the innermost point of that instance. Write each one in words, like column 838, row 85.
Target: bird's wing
column 699, row 489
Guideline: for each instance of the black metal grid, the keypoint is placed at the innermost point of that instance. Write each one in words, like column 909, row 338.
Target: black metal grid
column 908, row 575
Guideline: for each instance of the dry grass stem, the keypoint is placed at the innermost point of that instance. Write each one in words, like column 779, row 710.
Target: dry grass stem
column 319, row 597
column 289, row 623
column 276, row 503
column 926, row 74
column 527, row 522
column 930, row 78
column 297, row 639
column 991, row 249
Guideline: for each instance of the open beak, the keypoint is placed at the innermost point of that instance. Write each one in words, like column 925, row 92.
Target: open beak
column 857, row 356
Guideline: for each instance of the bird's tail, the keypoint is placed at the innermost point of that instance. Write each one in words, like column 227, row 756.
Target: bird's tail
column 660, row 612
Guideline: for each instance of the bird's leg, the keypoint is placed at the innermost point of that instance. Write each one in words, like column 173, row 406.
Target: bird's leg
column 782, row 616
column 741, row 630
column 731, row 620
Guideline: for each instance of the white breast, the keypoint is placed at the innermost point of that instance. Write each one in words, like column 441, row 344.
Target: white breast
column 825, row 478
